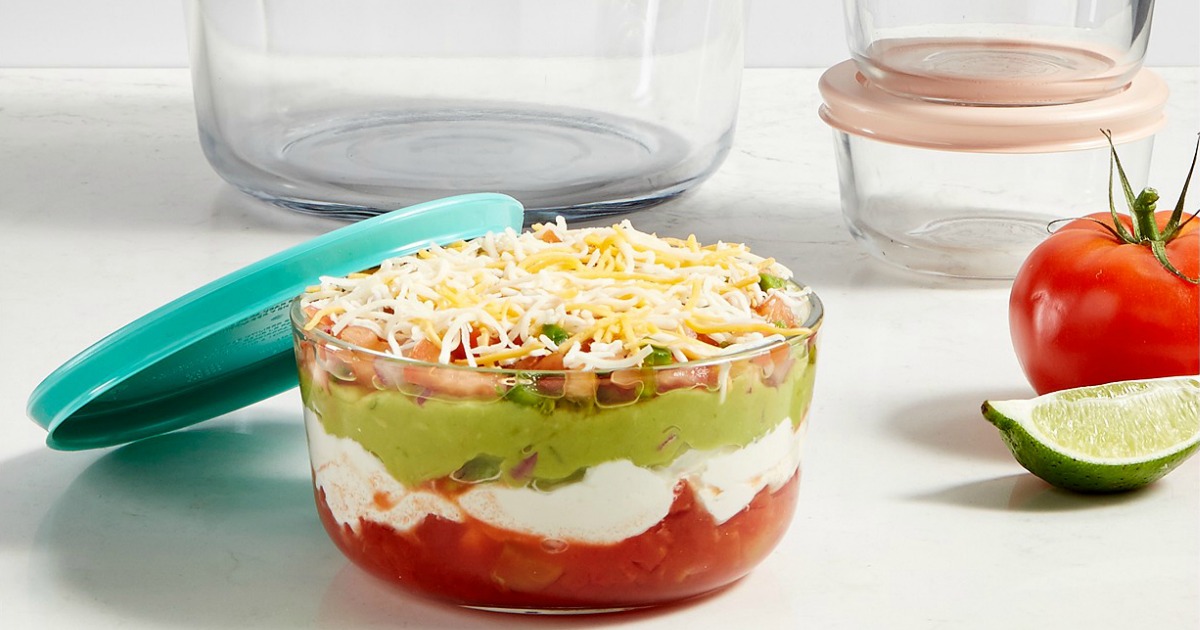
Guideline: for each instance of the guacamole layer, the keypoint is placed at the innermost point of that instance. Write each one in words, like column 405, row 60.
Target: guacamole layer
column 426, row 439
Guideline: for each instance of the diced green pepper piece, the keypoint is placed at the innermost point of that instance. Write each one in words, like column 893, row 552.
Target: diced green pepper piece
column 767, row 281
column 555, row 333
column 527, row 395
column 482, row 468
column 659, row 356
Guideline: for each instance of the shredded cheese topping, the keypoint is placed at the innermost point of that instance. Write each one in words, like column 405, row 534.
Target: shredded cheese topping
column 618, row 294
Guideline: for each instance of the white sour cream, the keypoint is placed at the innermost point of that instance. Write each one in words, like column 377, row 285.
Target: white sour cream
column 614, row 501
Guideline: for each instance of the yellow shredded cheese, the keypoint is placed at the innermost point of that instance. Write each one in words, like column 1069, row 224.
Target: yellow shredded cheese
column 616, row 292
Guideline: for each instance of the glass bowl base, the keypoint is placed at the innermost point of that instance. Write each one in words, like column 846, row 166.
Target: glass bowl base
column 576, row 163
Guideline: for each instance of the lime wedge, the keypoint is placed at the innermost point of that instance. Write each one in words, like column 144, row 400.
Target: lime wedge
column 1105, row 438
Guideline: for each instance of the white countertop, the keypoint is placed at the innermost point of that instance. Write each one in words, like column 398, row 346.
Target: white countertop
column 912, row 513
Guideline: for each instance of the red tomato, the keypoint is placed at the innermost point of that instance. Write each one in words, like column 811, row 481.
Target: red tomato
column 1088, row 308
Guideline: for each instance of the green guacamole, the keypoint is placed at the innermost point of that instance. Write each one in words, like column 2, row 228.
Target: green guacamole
column 422, row 440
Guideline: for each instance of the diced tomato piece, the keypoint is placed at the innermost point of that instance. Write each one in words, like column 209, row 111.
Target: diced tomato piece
column 547, row 362
column 361, row 364
column 424, row 350
column 449, row 382
column 572, row 384
column 518, row 570
column 612, row 394
column 776, row 364
column 776, row 310
column 363, row 338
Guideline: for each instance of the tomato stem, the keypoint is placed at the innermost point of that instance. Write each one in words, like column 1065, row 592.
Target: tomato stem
column 1144, row 226
column 1142, row 209
column 1173, row 224
column 1120, row 228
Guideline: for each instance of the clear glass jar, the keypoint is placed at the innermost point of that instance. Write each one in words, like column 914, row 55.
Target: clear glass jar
column 969, row 191
column 999, row 52
column 577, row 107
column 556, row 491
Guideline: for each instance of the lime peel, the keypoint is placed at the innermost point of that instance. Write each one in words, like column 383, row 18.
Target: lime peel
column 1105, row 438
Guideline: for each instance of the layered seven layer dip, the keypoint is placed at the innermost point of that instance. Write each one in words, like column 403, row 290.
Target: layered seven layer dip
column 562, row 419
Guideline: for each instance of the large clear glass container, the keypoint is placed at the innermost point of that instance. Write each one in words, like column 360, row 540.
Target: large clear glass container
column 999, row 52
column 574, row 107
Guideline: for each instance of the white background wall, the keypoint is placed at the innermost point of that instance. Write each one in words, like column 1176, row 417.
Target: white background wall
column 150, row 33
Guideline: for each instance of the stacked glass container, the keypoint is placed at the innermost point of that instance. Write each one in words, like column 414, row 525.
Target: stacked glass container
column 963, row 130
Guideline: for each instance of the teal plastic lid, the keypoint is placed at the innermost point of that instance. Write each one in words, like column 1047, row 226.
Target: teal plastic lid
column 228, row 344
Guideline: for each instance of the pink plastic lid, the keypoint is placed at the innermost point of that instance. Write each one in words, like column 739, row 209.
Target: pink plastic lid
column 855, row 106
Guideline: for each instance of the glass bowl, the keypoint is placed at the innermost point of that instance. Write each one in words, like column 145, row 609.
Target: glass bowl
column 556, row 491
column 999, row 52
column 357, row 107
column 969, row 191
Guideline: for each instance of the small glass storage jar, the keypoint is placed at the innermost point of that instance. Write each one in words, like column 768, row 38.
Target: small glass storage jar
column 970, row 191
column 999, row 52
column 556, row 491
column 579, row 108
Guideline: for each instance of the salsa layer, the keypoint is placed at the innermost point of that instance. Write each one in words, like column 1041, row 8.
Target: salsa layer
column 470, row 562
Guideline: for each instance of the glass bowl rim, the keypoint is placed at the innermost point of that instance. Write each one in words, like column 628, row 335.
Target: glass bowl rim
column 812, row 324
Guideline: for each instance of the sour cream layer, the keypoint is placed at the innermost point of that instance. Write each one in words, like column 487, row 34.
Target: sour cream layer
column 615, row 500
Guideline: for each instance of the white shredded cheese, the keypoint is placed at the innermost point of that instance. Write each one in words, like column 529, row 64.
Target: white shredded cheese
column 616, row 292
